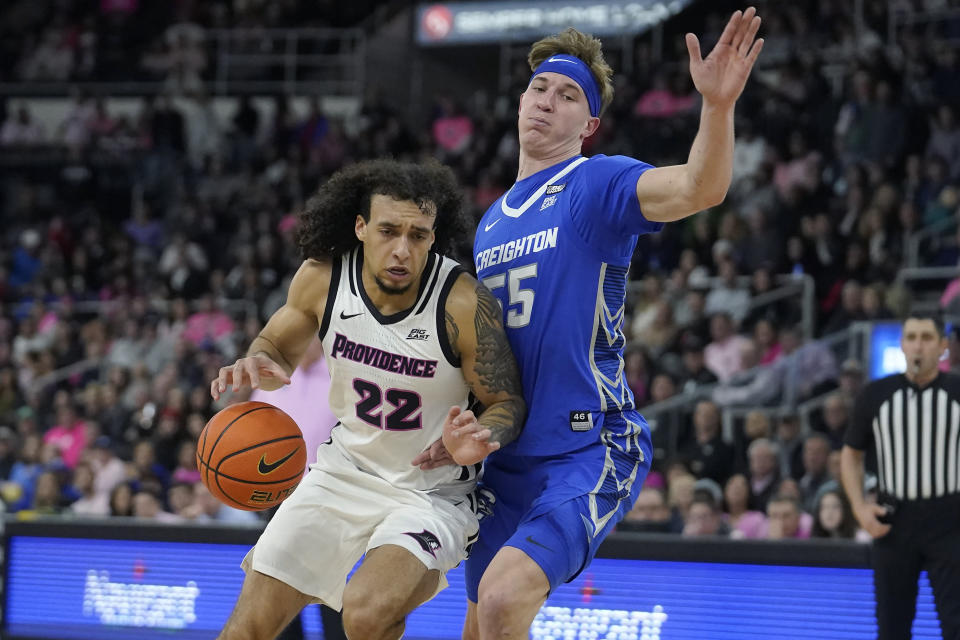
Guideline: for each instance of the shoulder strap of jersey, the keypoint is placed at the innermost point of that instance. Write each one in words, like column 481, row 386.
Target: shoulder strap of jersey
column 335, row 271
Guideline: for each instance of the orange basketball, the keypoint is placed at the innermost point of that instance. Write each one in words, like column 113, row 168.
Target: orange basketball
column 251, row 455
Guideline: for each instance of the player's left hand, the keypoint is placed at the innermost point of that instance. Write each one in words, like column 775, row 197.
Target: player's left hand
column 433, row 457
column 467, row 440
column 722, row 75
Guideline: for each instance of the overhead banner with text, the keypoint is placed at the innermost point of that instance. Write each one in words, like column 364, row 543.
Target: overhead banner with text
column 454, row 23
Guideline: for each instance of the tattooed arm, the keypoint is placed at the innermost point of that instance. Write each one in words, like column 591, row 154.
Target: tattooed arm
column 475, row 331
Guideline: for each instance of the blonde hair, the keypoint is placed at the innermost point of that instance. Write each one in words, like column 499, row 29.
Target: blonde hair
column 583, row 46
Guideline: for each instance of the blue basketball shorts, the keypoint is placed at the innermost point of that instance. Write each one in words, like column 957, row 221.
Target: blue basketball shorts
column 558, row 509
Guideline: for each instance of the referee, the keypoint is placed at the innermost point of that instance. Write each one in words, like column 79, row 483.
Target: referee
column 912, row 420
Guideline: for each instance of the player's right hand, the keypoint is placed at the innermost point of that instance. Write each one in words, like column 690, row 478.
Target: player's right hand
column 247, row 371
column 867, row 516
column 467, row 441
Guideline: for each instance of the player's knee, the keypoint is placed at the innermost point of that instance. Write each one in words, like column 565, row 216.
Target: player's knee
column 368, row 619
column 495, row 603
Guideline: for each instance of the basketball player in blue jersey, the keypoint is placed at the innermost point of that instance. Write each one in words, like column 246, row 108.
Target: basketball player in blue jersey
column 408, row 337
column 555, row 250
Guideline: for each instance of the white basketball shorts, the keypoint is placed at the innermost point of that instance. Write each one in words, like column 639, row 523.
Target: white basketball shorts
column 339, row 512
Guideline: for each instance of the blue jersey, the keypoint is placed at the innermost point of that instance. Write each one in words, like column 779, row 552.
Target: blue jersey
column 555, row 250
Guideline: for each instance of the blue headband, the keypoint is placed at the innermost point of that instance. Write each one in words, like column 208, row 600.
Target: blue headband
column 578, row 71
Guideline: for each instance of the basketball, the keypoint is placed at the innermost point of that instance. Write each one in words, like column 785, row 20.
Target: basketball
column 251, row 455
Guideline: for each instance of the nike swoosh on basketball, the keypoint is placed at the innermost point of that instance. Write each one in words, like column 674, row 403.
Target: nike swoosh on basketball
column 344, row 316
column 539, row 544
column 265, row 468
column 487, row 227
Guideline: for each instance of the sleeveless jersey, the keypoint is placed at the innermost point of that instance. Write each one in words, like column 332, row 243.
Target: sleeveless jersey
column 393, row 378
column 555, row 250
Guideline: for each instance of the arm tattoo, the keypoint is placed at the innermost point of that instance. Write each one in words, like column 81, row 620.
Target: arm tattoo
column 453, row 333
column 496, row 370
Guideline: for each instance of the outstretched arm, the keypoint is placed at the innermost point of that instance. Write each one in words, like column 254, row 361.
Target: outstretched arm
column 671, row 193
column 475, row 329
column 275, row 352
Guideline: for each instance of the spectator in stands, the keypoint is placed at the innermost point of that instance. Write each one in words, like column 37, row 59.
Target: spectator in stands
column 663, row 387
column 680, row 494
column 850, row 309
column 650, row 514
column 836, row 418
column 68, row 434
column 639, row 372
column 207, row 508
column 783, row 519
column 186, row 471
column 728, row 297
column 833, row 516
column 704, row 518
column 744, row 522
column 810, row 367
column 851, row 379
column 749, row 153
column 693, row 373
column 762, row 457
column 121, row 500
column 660, row 332
column 147, row 504
column 724, row 355
column 874, row 302
column 108, row 469
column 145, row 466
column 90, row 503
column 48, row 495
column 767, row 341
column 710, row 457
column 754, row 386
column 756, row 425
column 816, row 451
column 645, row 305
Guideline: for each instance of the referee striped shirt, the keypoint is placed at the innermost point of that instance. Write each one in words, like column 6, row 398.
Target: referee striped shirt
column 915, row 433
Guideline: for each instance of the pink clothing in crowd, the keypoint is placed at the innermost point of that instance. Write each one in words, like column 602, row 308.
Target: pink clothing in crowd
column 725, row 358
column 205, row 326
column 69, row 440
column 752, row 525
column 305, row 400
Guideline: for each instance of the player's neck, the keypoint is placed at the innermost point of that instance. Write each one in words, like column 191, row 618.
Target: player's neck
column 531, row 162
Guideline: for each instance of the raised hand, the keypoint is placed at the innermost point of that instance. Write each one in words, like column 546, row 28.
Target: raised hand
column 247, row 371
column 722, row 75
column 467, row 441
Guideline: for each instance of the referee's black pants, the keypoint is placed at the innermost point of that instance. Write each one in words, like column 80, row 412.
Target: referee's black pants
column 925, row 534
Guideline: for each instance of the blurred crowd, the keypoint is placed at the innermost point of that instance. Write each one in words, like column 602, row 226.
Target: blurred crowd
column 47, row 41
column 151, row 249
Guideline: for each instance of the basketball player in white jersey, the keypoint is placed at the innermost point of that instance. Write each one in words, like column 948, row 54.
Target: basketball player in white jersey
column 407, row 336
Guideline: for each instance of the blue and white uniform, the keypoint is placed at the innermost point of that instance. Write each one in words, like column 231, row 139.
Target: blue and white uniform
column 555, row 251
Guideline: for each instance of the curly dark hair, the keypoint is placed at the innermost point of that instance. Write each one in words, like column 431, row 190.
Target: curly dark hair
column 328, row 220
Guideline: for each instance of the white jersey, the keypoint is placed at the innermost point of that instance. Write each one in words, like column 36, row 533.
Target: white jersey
column 393, row 378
